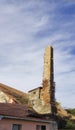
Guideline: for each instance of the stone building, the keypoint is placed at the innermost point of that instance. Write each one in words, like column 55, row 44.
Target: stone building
column 41, row 99
column 33, row 110
column 22, row 117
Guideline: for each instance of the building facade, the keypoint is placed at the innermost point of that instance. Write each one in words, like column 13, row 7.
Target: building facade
column 21, row 117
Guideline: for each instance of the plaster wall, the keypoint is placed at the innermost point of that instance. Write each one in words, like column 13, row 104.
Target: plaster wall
column 26, row 125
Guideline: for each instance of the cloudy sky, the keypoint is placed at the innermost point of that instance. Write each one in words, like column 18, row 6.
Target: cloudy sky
column 26, row 28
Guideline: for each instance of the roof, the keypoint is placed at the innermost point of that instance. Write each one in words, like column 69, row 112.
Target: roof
column 35, row 89
column 17, row 95
column 18, row 111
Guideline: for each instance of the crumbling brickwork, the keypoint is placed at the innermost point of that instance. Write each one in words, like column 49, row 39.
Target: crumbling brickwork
column 48, row 90
column 45, row 97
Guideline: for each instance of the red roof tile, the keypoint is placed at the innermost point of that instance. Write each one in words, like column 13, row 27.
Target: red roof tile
column 20, row 111
column 15, row 110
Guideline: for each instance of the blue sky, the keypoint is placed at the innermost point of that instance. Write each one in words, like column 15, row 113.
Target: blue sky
column 26, row 28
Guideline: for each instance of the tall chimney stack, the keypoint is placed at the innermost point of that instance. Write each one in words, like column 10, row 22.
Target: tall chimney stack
column 48, row 90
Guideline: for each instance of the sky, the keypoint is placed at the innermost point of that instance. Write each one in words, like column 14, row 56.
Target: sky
column 27, row 27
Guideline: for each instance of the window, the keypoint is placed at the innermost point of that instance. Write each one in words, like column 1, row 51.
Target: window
column 40, row 127
column 43, row 127
column 34, row 92
column 16, row 127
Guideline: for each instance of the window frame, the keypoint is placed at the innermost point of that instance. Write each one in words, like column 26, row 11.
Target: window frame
column 19, row 126
column 43, row 127
column 40, row 127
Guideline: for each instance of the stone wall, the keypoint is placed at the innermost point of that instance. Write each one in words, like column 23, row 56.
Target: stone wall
column 43, row 98
column 48, row 91
column 35, row 93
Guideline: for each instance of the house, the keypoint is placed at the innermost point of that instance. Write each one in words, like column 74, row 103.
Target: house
column 32, row 110
column 42, row 98
column 23, row 117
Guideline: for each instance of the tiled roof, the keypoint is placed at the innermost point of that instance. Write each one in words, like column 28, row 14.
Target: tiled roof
column 15, row 110
column 19, row 96
column 23, row 112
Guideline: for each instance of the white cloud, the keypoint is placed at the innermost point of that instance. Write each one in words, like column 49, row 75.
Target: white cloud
column 26, row 28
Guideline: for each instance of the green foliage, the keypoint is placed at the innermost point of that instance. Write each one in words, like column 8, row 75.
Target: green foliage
column 65, row 123
column 71, row 111
column 69, row 125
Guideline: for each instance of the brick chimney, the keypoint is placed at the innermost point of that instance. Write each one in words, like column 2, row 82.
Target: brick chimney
column 48, row 90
